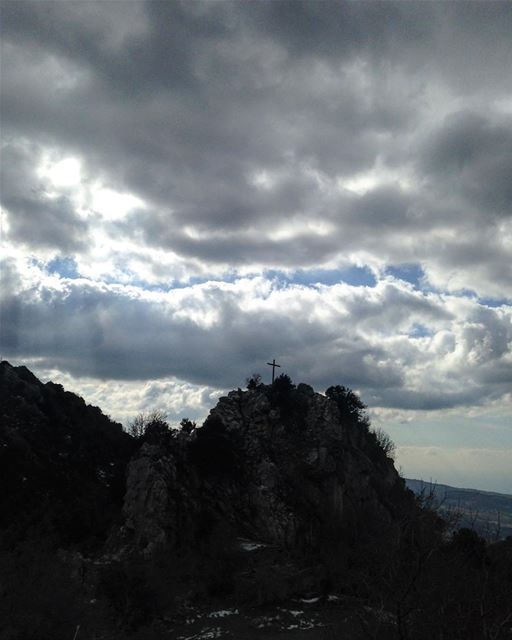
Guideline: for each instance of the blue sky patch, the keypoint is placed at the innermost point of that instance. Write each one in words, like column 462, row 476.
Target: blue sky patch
column 410, row 272
column 419, row 330
column 65, row 267
column 495, row 302
column 353, row 275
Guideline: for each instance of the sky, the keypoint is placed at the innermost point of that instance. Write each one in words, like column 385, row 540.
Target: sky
column 190, row 189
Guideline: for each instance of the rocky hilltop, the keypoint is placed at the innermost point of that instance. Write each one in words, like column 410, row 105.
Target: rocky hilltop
column 279, row 465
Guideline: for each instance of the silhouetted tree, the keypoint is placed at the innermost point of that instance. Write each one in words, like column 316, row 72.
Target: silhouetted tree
column 138, row 426
column 254, row 381
column 187, row 426
column 156, row 431
column 283, row 384
column 349, row 404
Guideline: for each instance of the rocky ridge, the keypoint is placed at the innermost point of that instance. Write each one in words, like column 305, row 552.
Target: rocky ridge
column 277, row 467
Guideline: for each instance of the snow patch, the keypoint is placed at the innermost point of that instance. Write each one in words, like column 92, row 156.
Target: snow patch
column 251, row 545
column 207, row 633
column 223, row 613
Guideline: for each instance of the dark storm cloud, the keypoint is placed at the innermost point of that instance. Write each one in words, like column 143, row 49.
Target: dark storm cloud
column 386, row 207
column 36, row 218
column 148, row 57
column 386, row 30
column 239, row 104
column 243, row 248
column 473, row 154
column 432, row 400
column 184, row 103
column 390, row 305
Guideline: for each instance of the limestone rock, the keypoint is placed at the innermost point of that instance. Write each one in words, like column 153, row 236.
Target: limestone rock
column 277, row 467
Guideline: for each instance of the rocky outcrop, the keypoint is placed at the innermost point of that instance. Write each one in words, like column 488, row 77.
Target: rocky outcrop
column 281, row 467
column 149, row 510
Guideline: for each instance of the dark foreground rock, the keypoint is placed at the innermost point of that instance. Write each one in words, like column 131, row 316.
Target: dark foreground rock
column 62, row 463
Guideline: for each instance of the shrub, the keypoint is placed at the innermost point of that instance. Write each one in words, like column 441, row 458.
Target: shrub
column 254, row 381
column 283, row 384
column 349, row 404
column 187, row 426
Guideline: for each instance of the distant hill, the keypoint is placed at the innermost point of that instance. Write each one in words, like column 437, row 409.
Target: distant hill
column 489, row 513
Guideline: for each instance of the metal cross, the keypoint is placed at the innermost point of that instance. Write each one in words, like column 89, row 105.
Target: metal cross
column 273, row 365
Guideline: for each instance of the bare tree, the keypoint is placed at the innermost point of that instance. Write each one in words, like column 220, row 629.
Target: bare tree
column 137, row 427
column 385, row 443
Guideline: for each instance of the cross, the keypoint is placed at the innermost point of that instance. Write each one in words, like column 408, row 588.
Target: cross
column 273, row 365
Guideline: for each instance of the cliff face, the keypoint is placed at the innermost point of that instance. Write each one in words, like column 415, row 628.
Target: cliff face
column 279, row 467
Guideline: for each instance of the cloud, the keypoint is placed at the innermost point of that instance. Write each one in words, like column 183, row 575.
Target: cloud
column 124, row 399
column 37, row 217
column 216, row 333
column 239, row 130
column 474, row 154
